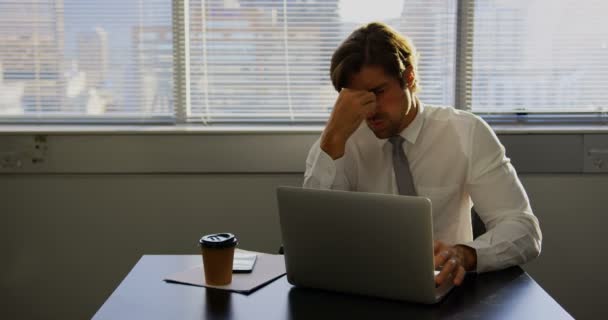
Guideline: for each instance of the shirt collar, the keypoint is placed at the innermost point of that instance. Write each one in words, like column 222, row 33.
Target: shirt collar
column 412, row 131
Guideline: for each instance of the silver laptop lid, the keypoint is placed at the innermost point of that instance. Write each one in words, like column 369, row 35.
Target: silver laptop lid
column 364, row 243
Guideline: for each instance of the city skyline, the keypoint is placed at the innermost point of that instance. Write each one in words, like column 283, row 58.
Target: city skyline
column 76, row 58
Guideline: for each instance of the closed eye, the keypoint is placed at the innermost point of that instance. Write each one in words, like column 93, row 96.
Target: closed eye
column 379, row 89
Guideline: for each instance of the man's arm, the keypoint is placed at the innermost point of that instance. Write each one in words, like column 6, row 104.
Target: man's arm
column 325, row 167
column 350, row 109
column 513, row 235
column 322, row 172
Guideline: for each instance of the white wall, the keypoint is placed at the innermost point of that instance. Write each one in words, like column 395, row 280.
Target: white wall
column 71, row 234
column 572, row 211
column 70, row 239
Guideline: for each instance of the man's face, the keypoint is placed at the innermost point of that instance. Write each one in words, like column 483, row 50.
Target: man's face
column 392, row 101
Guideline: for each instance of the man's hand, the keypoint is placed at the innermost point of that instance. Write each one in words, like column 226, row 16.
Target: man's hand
column 350, row 109
column 454, row 261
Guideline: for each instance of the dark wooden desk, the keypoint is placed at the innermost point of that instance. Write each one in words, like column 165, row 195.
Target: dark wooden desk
column 507, row 294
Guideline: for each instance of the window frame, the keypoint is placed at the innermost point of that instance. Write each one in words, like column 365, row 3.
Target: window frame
column 465, row 29
column 182, row 98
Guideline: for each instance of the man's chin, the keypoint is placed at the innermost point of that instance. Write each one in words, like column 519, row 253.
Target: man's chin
column 383, row 133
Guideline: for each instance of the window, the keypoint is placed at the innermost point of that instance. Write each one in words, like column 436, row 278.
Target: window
column 85, row 60
column 539, row 56
column 267, row 61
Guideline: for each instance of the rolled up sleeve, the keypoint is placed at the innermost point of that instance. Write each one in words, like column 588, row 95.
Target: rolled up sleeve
column 513, row 234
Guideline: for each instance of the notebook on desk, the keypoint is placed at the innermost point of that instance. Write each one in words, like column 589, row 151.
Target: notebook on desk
column 268, row 267
column 364, row 243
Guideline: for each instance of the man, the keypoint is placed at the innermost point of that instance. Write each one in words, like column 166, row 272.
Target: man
column 380, row 138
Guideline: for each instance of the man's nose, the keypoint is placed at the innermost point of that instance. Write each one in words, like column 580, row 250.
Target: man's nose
column 378, row 104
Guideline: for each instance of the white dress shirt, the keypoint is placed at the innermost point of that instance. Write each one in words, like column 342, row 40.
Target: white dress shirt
column 456, row 161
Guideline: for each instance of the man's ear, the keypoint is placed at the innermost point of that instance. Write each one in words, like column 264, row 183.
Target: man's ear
column 409, row 77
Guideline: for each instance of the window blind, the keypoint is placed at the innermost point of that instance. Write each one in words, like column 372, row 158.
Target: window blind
column 85, row 60
column 268, row 60
column 539, row 56
column 253, row 61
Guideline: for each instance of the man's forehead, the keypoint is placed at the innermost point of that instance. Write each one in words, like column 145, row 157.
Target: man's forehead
column 369, row 78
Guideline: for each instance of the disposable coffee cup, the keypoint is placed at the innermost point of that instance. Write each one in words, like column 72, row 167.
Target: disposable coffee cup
column 218, row 253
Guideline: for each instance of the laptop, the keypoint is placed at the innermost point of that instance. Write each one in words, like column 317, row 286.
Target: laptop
column 369, row 244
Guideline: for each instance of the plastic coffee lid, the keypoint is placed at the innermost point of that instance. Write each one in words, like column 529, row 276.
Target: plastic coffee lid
column 218, row 240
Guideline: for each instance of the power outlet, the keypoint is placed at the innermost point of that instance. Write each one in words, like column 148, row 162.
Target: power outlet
column 39, row 151
column 23, row 153
column 596, row 153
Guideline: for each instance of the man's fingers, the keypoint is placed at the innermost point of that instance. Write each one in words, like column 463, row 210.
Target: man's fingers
column 368, row 101
column 459, row 276
column 370, row 108
column 450, row 263
column 436, row 246
column 447, row 269
column 369, row 95
column 359, row 98
column 439, row 260
column 442, row 257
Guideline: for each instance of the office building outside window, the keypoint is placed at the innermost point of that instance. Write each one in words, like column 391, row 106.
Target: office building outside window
column 267, row 61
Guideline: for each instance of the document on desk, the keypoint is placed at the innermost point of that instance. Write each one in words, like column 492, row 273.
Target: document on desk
column 268, row 268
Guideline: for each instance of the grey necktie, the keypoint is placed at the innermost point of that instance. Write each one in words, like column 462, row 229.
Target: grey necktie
column 405, row 182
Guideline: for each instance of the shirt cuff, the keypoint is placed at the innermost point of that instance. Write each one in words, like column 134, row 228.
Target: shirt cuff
column 325, row 168
column 486, row 259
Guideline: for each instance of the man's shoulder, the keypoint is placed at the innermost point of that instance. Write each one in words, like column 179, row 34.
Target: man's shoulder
column 451, row 114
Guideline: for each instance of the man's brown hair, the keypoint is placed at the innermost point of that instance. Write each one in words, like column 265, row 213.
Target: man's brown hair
column 374, row 44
